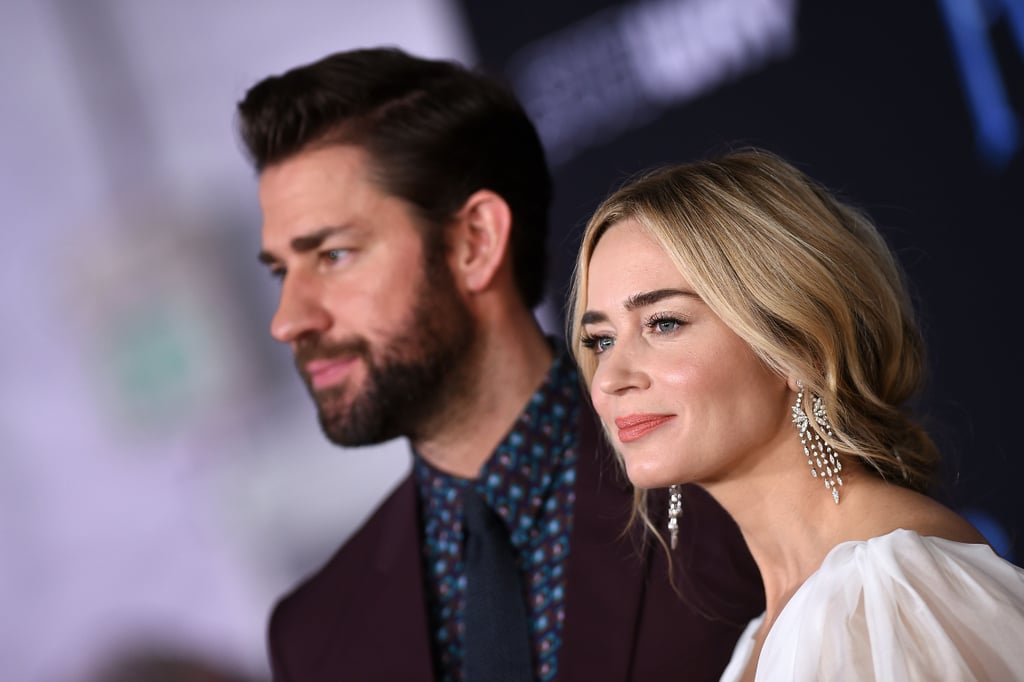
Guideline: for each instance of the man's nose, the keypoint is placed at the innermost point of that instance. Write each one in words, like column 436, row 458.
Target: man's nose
column 300, row 311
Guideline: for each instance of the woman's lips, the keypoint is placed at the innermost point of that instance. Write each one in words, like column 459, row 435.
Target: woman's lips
column 635, row 426
column 326, row 373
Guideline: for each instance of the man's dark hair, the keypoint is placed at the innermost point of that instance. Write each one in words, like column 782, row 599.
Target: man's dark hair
column 435, row 132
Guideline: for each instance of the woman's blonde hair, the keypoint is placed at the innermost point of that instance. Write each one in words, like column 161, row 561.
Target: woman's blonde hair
column 806, row 280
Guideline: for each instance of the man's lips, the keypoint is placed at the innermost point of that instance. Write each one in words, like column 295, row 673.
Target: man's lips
column 327, row 372
column 635, row 426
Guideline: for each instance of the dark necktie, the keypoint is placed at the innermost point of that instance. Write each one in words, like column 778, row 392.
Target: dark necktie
column 497, row 635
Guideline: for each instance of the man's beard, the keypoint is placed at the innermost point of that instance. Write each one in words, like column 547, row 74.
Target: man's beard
column 410, row 380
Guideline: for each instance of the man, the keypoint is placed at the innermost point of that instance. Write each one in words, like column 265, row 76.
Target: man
column 404, row 210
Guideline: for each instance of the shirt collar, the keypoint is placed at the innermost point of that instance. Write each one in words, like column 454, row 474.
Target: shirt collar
column 517, row 478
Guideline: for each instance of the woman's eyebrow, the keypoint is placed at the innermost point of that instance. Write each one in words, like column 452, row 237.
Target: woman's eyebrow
column 639, row 300
column 646, row 298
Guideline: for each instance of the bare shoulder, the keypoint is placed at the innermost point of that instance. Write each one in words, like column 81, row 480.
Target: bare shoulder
column 889, row 507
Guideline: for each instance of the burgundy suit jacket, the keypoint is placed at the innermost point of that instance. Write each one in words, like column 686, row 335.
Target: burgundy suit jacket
column 363, row 615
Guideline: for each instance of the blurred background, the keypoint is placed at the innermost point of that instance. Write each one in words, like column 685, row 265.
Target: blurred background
column 162, row 476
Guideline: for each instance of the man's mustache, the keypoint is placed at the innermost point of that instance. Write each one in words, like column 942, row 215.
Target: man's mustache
column 315, row 349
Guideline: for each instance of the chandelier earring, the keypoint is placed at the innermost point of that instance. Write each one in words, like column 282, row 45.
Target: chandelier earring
column 815, row 439
column 675, row 508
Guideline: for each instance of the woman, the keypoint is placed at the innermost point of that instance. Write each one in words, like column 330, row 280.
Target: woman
column 741, row 329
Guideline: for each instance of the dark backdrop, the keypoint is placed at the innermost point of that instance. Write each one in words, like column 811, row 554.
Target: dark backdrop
column 911, row 110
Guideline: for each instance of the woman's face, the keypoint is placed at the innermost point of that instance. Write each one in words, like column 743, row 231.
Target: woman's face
column 684, row 399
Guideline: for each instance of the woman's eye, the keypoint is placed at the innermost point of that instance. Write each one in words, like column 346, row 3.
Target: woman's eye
column 665, row 326
column 597, row 344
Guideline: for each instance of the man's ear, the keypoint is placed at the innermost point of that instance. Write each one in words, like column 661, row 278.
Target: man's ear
column 479, row 240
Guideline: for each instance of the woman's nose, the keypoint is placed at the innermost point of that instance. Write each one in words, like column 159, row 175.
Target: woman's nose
column 621, row 371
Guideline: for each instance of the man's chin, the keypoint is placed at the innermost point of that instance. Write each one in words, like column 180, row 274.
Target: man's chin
column 349, row 429
column 349, row 437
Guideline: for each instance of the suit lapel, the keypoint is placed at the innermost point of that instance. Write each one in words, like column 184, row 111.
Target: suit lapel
column 394, row 600
column 605, row 571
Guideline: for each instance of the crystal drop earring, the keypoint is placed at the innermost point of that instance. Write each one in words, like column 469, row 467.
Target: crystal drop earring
column 821, row 457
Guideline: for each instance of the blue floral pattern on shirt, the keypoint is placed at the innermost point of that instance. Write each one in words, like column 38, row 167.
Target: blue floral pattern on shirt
column 529, row 481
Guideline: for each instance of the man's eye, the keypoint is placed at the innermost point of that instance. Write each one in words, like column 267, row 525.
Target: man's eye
column 331, row 258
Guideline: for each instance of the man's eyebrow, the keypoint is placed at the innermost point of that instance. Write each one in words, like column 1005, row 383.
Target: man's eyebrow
column 640, row 300
column 304, row 243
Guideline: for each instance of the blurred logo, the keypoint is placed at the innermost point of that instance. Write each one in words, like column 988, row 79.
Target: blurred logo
column 618, row 69
column 970, row 24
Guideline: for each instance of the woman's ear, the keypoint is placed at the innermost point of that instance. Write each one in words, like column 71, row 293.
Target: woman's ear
column 794, row 384
column 479, row 240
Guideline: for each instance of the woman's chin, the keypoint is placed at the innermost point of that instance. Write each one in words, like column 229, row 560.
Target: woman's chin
column 646, row 477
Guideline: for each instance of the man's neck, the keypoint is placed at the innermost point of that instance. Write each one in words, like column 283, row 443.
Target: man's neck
column 507, row 368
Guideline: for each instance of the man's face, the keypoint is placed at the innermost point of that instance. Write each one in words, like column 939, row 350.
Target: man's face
column 370, row 310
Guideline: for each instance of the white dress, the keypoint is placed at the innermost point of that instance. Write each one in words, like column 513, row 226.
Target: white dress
column 897, row 607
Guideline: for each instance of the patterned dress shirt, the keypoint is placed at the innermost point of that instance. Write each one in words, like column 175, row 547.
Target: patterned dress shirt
column 529, row 481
